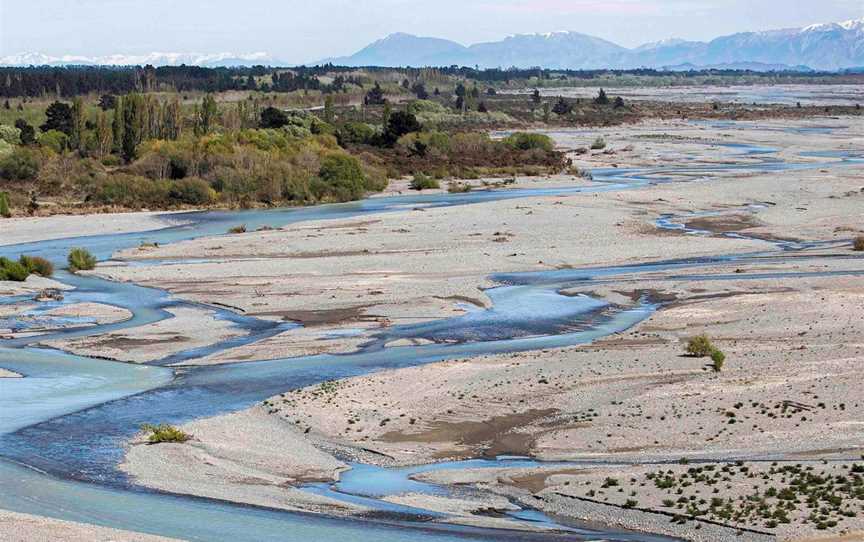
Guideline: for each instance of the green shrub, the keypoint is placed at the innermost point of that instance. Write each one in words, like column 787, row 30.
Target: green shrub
column 342, row 178
column 55, row 140
column 22, row 165
column 12, row 270
column 598, row 144
column 718, row 358
column 164, row 433
column 5, row 212
column 192, row 191
column 80, row 259
column 858, row 243
column 700, row 346
column 238, row 229
column 10, row 134
column 38, row 265
column 526, row 142
column 423, row 182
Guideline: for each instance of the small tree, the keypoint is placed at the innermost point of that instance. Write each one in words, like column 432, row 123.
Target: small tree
column 602, row 98
column 375, row 96
column 58, row 117
column 535, row 97
column 482, row 108
column 699, row 346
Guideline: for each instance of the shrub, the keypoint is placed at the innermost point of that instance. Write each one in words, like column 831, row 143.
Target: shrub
column 423, row 182
column 37, row 265
column 10, row 134
column 700, row 346
column 12, row 270
column 80, row 259
column 22, row 165
column 164, row 433
column 5, row 212
column 458, row 188
column 342, row 177
column 55, row 140
column 718, row 358
column 238, row 229
column 192, row 191
column 858, row 243
column 598, row 144
column 526, row 142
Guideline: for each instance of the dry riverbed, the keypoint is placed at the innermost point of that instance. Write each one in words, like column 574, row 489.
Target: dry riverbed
column 789, row 391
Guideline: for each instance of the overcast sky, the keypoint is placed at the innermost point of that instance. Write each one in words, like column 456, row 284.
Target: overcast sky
column 297, row 31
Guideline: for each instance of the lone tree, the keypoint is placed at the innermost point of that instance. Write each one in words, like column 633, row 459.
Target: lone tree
column 375, row 96
column 535, row 97
column 59, row 117
column 601, row 98
column 562, row 107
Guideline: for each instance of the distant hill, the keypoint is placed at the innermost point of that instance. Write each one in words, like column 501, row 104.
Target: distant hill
column 832, row 46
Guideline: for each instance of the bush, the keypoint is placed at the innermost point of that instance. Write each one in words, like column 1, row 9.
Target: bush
column 164, row 433
column 55, row 140
column 238, row 229
column 342, row 177
column 80, row 259
column 10, row 134
column 700, row 346
column 192, row 191
column 526, row 142
column 718, row 358
column 598, row 144
column 458, row 188
column 423, row 182
column 857, row 243
column 37, row 265
column 22, row 165
column 5, row 212
column 12, row 270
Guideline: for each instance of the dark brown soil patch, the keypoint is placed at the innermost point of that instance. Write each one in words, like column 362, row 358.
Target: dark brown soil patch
column 493, row 436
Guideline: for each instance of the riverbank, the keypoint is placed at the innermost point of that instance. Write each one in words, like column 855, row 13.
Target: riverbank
column 26, row 528
column 29, row 229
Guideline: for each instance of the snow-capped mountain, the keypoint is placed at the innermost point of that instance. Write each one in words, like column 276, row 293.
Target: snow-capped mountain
column 153, row 59
column 830, row 46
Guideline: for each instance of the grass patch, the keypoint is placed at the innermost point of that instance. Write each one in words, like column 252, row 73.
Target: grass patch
column 164, row 433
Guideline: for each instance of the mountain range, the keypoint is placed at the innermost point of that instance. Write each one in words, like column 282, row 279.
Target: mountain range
column 209, row 60
column 831, row 46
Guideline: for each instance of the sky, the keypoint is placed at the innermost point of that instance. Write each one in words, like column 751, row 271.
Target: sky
column 297, row 31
